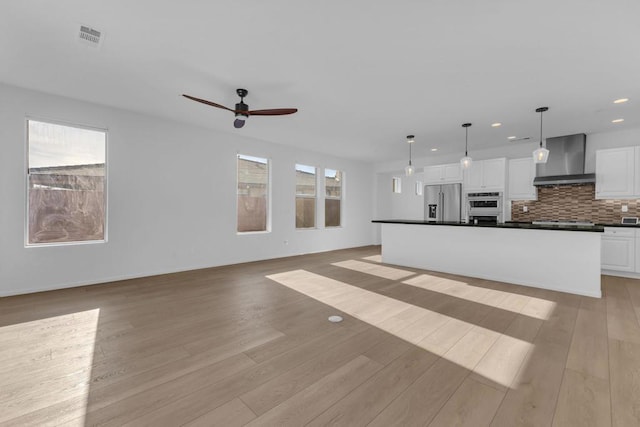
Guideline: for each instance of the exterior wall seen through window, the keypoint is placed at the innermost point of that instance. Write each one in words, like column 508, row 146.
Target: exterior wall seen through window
column 306, row 179
column 253, row 194
column 333, row 181
column 66, row 182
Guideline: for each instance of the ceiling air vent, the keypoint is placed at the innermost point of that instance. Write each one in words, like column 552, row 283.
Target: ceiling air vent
column 90, row 36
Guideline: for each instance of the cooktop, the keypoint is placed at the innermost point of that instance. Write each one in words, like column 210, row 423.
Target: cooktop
column 562, row 222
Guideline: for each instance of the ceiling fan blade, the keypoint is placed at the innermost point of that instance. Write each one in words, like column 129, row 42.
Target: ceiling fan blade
column 273, row 112
column 204, row 101
column 238, row 123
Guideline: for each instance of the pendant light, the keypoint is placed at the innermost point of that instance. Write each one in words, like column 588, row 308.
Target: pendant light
column 466, row 161
column 408, row 171
column 541, row 155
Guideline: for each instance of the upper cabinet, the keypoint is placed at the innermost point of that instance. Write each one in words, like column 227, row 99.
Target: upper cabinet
column 521, row 175
column 617, row 173
column 443, row 174
column 485, row 175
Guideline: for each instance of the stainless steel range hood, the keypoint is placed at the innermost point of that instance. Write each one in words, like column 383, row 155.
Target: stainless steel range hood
column 566, row 162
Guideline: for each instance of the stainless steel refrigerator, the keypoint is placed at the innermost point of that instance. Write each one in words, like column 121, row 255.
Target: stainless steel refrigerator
column 443, row 202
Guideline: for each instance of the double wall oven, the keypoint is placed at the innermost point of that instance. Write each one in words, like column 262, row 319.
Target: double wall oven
column 484, row 207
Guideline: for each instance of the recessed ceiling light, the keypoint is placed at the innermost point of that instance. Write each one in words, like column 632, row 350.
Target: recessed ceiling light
column 620, row 101
column 496, row 125
column 617, row 121
column 434, row 149
column 511, row 137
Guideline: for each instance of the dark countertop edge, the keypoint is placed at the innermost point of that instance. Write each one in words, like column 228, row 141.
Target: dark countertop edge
column 598, row 228
column 620, row 225
column 617, row 224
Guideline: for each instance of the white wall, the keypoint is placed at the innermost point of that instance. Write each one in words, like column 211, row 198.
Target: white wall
column 404, row 205
column 171, row 199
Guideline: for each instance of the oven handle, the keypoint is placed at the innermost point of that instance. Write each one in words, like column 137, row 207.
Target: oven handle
column 483, row 199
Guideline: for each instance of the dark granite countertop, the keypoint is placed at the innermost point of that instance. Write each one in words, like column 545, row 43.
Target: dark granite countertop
column 598, row 228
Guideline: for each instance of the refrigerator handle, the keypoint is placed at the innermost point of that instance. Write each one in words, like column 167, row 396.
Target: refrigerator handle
column 442, row 217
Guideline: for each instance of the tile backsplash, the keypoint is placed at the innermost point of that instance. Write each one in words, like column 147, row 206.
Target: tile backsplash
column 575, row 202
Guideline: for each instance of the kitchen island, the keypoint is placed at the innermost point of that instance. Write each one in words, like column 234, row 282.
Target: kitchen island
column 559, row 258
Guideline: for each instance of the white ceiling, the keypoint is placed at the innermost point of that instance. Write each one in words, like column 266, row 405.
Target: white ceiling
column 363, row 73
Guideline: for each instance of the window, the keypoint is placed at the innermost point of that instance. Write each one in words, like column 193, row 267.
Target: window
column 66, row 199
column 253, row 194
column 305, row 196
column 396, row 184
column 333, row 197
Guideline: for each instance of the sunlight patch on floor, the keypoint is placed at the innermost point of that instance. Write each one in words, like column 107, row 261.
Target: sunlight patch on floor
column 382, row 271
column 373, row 258
column 56, row 355
column 458, row 341
column 522, row 304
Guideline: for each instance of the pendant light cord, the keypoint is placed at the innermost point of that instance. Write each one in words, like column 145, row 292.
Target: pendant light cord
column 410, row 144
column 541, row 112
column 466, row 141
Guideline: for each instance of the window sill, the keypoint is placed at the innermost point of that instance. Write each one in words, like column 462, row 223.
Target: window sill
column 245, row 233
column 54, row 244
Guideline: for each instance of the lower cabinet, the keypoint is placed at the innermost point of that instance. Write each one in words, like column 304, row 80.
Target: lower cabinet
column 619, row 250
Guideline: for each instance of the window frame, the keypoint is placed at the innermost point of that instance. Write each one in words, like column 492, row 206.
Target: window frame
column 305, row 196
column 268, row 194
column 66, row 123
column 341, row 198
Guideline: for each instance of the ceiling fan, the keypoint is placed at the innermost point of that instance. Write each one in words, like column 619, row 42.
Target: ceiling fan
column 242, row 111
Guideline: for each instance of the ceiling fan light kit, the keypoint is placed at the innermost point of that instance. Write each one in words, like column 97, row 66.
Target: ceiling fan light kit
column 242, row 111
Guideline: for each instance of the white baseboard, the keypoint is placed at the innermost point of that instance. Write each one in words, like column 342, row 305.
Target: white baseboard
column 627, row 274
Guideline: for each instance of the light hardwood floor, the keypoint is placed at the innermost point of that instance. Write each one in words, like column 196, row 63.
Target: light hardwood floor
column 251, row 345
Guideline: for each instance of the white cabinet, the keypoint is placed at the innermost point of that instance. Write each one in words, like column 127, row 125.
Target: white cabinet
column 485, row 175
column 473, row 177
column 637, row 231
column 618, row 249
column 521, row 175
column 433, row 174
column 493, row 172
column 443, row 174
column 636, row 169
column 617, row 173
column 452, row 172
